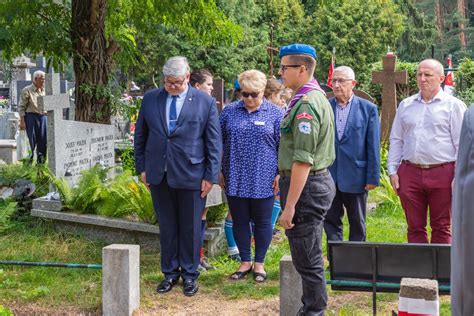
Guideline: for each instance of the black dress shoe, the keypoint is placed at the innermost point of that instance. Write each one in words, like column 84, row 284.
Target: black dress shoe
column 166, row 285
column 190, row 287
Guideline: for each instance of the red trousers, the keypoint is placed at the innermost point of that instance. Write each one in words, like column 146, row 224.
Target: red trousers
column 423, row 189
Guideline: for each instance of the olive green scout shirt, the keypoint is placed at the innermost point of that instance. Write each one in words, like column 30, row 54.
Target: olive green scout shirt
column 307, row 133
column 29, row 100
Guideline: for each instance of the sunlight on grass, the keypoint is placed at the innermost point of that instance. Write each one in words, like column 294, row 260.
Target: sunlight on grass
column 37, row 241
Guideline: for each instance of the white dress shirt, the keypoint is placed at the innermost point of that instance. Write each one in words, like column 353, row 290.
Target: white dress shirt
column 426, row 132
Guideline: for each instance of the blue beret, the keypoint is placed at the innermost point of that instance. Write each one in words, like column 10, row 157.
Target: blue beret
column 298, row 49
column 236, row 85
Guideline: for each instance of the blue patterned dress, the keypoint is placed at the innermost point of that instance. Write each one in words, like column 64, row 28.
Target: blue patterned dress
column 250, row 143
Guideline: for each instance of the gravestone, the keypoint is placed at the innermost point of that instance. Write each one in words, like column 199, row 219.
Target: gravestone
column 389, row 79
column 418, row 297
column 291, row 289
column 73, row 146
column 120, row 280
column 21, row 77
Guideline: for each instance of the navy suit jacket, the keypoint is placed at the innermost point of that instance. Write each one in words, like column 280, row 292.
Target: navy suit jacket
column 192, row 153
column 358, row 152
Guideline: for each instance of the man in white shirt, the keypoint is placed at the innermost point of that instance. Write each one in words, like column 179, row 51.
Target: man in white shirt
column 424, row 143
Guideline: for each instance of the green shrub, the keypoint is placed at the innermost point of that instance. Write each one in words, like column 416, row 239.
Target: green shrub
column 390, row 202
column 5, row 311
column 128, row 160
column 7, row 210
column 217, row 213
column 90, row 191
column 125, row 196
column 465, row 81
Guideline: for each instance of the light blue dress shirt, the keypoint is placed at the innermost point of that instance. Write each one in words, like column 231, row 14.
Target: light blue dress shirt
column 342, row 114
column 179, row 105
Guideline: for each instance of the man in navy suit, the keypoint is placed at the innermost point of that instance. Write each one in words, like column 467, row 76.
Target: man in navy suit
column 178, row 150
column 356, row 169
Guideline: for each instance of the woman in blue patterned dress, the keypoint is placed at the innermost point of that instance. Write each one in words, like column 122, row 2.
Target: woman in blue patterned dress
column 251, row 135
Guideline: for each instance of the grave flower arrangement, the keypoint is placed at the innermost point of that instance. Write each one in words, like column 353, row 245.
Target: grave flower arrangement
column 3, row 102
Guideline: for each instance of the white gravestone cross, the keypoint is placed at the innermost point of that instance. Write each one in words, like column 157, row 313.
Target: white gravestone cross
column 73, row 146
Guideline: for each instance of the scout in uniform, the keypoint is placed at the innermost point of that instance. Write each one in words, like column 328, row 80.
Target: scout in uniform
column 307, row 189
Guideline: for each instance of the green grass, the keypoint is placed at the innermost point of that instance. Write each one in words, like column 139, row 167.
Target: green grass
column 53, row 287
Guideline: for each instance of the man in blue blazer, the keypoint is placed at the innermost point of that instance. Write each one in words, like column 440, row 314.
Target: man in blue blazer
column 356, row 169
column 178, row 151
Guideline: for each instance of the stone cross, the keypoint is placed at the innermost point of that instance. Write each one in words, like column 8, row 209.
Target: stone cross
column 218, row 93
column 389, row 79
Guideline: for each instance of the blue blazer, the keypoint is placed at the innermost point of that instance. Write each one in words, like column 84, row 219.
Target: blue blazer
column 193, row 151
column 358, row 152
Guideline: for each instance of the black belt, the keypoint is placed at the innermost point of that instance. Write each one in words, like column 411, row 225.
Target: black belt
column 287, row 173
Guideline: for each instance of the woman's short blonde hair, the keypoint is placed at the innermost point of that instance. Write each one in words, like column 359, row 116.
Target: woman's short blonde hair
column 253, row 80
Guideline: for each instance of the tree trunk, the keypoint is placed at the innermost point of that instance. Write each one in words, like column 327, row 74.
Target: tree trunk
column 462, row 14
column 439, row 18
column 92, row 59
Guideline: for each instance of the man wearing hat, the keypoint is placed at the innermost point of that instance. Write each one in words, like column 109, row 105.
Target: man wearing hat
column 306, row 186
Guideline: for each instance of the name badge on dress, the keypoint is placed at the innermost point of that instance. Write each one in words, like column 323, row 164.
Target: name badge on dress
column 259, row 123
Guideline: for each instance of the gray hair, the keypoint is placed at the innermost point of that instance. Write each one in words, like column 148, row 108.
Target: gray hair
column 38, row 73
column 176, row 67
column 347, row 71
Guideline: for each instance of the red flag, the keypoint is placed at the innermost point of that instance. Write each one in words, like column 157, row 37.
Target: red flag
column 449, row 79
column 331, row 70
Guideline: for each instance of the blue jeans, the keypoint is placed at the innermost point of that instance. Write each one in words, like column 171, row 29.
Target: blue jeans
column 259, row 211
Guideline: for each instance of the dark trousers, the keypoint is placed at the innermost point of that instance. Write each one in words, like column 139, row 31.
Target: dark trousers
column 423, row 189
column 179, row 214
column 259, row 211
column 36, row 129
column 305, row 238
column 356, row 205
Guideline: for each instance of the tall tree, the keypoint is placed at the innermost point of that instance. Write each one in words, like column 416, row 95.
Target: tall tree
column 455, row 29
column 419, row 34
column 227, row 61
column 361, row 31
column 97, row 33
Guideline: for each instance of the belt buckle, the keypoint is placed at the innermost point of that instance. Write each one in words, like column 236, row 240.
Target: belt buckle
column 424, row 166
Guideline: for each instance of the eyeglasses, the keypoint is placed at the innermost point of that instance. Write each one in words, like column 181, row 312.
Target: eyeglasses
column 285, row 67
column 176, row 84
column 340, row 81
column 250, row 94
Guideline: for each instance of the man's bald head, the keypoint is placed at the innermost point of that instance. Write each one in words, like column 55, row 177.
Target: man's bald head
column 429, row 77
column 433, row 64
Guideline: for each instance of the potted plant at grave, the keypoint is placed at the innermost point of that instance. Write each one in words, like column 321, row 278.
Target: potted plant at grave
column 3, row 103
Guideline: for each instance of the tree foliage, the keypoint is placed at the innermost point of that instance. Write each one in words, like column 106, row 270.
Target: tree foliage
column 56, row 29
column 361, row 31
column 224, row 60
column 465, row 81
column 450, row 23
column 414, row 44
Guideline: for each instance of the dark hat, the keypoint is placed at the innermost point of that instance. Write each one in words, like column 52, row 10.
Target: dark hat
column 298, row 49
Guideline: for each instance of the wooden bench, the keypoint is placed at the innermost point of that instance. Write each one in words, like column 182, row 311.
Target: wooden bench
column 379, row 267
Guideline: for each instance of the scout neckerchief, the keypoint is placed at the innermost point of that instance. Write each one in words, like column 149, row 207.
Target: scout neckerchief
column 307, row 87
